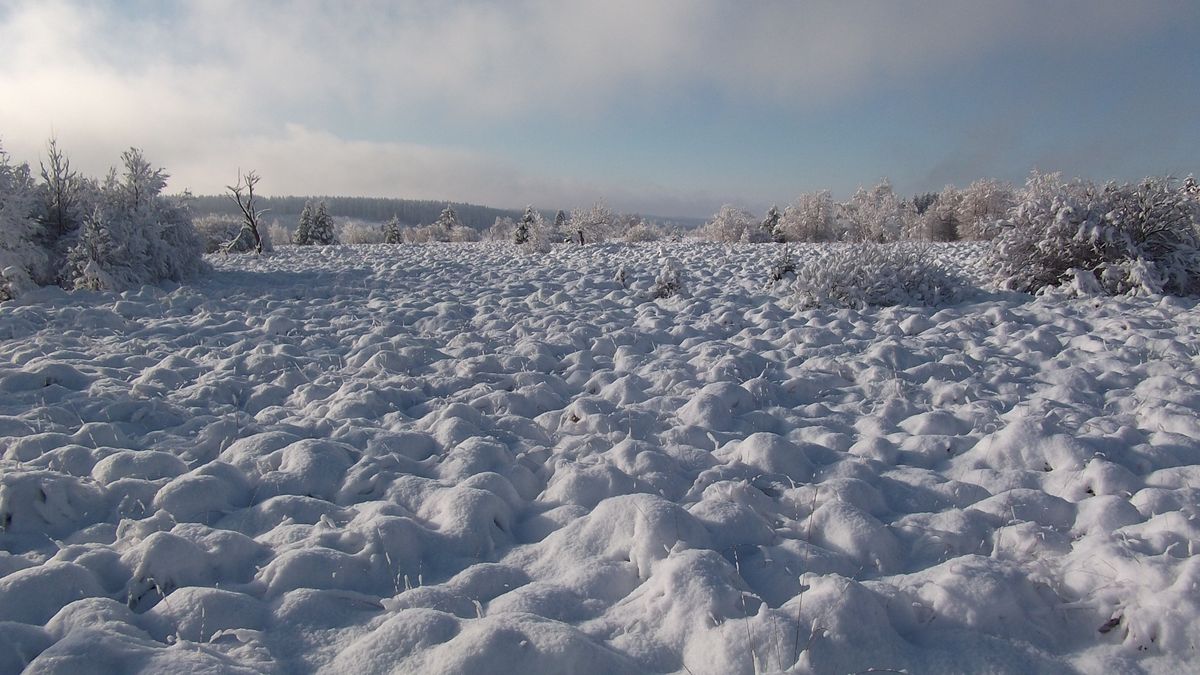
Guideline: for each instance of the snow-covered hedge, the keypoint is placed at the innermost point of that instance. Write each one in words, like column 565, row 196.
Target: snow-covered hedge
column 861, row 275
column 1112, row 239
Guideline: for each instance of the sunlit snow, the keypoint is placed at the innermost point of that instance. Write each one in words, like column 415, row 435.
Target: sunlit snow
column 467, row 458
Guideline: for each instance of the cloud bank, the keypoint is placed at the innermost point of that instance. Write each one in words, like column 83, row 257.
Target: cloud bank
column 341, row 97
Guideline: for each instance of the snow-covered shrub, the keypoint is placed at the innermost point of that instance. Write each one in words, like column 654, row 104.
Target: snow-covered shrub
column 22, row 258
column 278, row 232
column 868, row 274
column 391, row 231
column 669, row 281
column 1114, row 239
column 359, row 232
column 135, row 235
column 729, row 224
column 771, row 226
column 622, row 275
column 782, row 266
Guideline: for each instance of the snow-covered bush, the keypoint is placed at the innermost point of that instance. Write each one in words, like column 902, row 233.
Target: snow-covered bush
column 135, row 235
column 868, row 274
column 22, row 258
column 1115, row 239
column 729, row 224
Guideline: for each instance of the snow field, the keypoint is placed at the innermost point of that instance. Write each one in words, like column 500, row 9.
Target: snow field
column 466, row 458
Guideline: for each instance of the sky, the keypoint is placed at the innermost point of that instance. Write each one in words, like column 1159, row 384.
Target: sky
column 665, row 107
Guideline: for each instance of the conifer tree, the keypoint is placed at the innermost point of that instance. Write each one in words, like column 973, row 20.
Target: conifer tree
column 322, row 226
column 304, row 234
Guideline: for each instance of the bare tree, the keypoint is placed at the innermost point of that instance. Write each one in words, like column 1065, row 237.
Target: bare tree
column 242, row 194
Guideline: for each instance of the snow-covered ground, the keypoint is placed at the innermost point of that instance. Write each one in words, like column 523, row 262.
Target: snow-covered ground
column 465, row 458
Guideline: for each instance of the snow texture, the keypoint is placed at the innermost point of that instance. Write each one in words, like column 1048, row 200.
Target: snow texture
column 465, row 458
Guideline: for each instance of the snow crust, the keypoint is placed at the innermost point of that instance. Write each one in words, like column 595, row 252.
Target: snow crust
column 468, row 458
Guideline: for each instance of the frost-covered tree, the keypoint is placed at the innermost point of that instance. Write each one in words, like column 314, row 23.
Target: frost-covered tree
column 391, row 231
column 560, row 230
column 23, row 259
column 941, row 220
column 771, row 226
column 811, row 217
column 64, row 194
column 729, row 224
column 242, row 194
column 1190, row 187
column 593, row 224
column 304, row 228
column 922, row 202
column 1115, row 239
column 322, row 226
column 88, row 260
column 981, row 205
column 876, row 214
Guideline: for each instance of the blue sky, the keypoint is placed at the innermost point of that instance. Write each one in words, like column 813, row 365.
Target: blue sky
column 669, row 107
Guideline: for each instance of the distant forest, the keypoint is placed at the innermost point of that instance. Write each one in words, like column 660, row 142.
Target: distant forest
column 376, row 209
